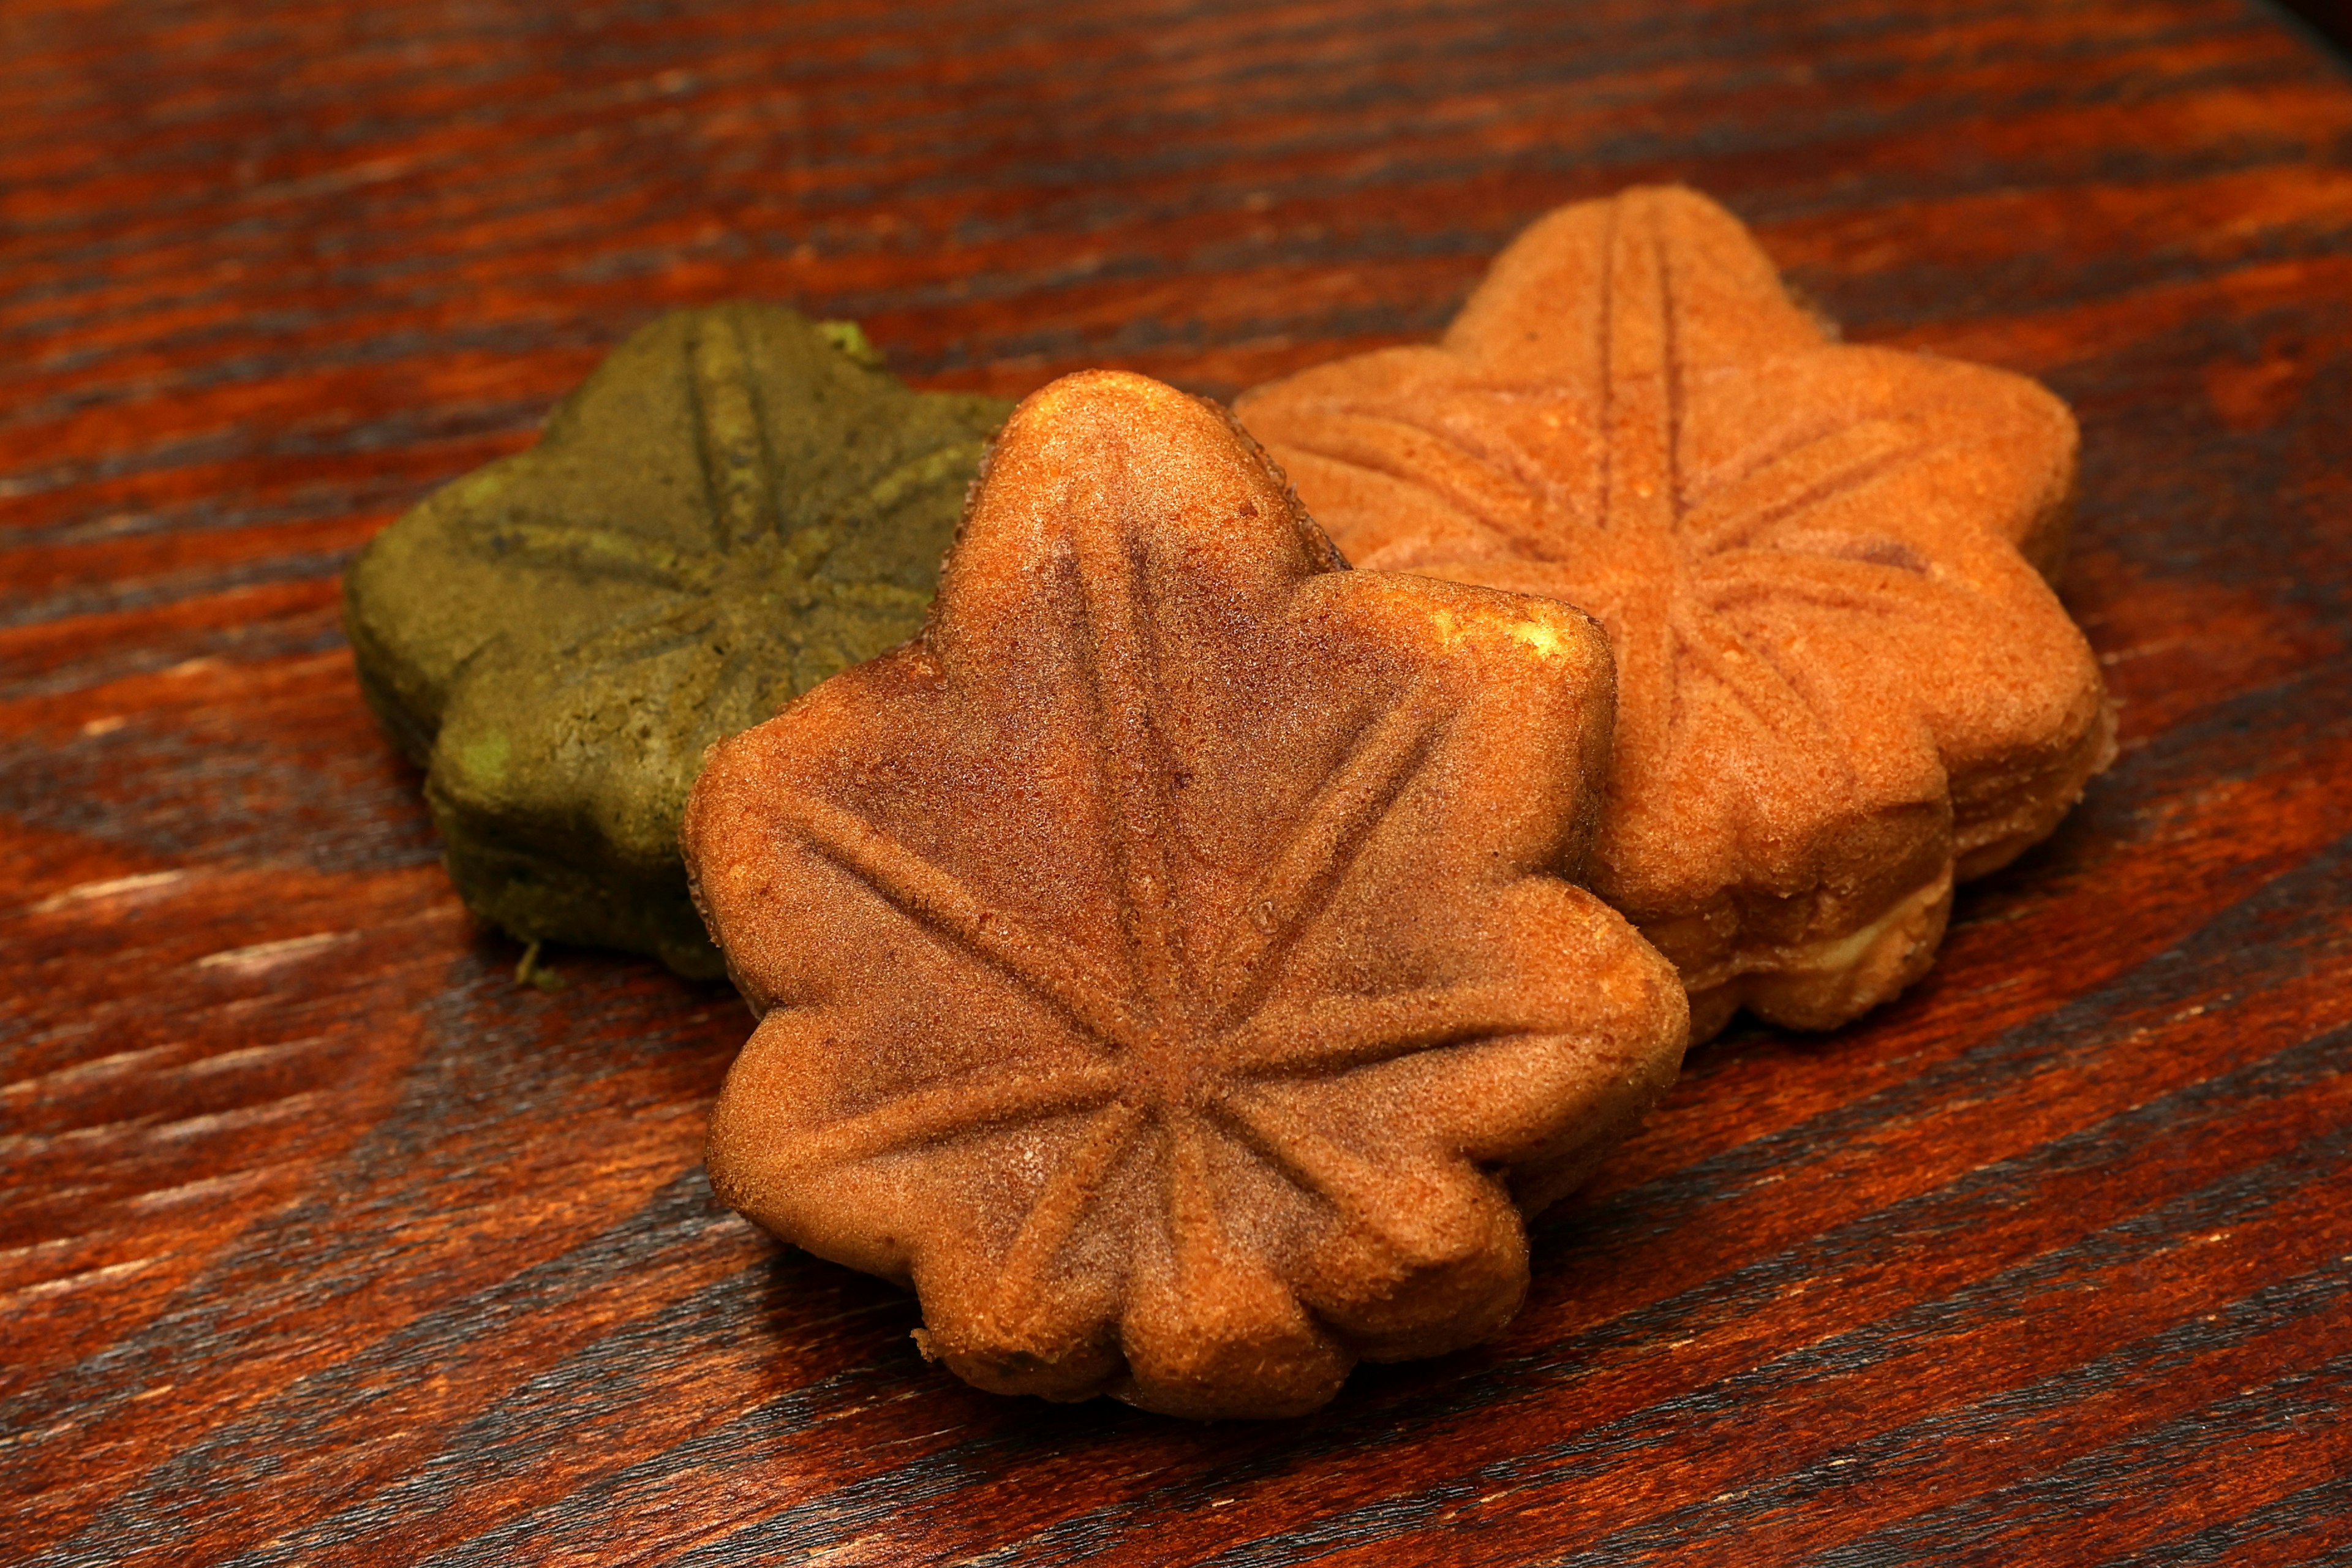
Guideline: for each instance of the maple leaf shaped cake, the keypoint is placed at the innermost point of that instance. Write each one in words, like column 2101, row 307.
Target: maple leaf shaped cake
column 736, row 503
column 1842, row 680
column 1165, row 962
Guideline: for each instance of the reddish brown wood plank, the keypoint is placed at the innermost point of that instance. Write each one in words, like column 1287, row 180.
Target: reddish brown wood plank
column 320, row 1239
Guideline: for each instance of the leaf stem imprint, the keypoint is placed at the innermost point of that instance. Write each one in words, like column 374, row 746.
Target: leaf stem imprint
column 1314, row 1165
column 1048, row 970
column 589, row 552
column 1775, row 492
column 1301, row 880
column 644, row 634
column 1781, row 710
column 1113, row 631
column 1196, row 1239
column 1466, row 481
column 952, row 1110
column 1832, row 582
column 1340, row 1032
column 734, row 446
column 1067, row 1196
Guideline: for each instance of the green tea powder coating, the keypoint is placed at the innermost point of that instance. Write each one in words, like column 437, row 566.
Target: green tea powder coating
column 737, row 504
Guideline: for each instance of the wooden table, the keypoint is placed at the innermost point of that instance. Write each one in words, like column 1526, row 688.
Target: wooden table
column 324, row 1240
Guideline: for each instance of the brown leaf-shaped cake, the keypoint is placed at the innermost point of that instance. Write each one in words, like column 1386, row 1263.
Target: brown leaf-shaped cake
column 1165, row 962
column 1842, row 680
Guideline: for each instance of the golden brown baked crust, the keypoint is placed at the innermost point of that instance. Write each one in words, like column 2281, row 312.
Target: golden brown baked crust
column 1840, row 680
column 1164, row 962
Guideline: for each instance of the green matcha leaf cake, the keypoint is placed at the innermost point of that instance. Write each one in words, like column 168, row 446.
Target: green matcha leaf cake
column 737, row 503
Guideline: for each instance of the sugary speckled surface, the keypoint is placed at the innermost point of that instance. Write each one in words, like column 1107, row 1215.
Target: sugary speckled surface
column 1842, row 680
column 1165, row 962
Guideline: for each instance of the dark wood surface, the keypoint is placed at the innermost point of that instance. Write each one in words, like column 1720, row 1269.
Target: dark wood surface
column 323, row 1240
column 2331, row 19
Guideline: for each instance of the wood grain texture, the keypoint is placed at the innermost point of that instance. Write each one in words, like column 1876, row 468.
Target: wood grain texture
column 322, row 1240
